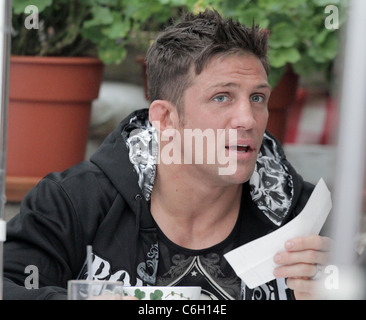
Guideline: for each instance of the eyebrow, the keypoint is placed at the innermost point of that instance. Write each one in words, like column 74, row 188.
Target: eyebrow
column 223, row 84
column 264, row 85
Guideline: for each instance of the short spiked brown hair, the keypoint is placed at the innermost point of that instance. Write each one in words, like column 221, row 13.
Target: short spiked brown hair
column 192, row 43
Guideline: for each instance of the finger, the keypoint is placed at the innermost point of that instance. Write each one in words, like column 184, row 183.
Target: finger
column 306, row 256
column 303, row 289
column 300, row 270
column 313, row 242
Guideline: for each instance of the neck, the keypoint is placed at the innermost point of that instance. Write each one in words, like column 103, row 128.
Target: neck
column 191, row 212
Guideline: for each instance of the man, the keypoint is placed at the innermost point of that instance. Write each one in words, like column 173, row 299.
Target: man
column 167, row 215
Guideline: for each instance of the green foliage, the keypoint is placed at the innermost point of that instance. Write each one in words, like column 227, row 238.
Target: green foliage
column 105, row 27
column 297, row 32
column 90, row 27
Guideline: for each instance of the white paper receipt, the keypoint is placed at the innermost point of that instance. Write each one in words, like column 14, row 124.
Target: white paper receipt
column 253, row 262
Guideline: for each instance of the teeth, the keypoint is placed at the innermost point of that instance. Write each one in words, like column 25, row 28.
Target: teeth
column 240, row 148
column 243, row 148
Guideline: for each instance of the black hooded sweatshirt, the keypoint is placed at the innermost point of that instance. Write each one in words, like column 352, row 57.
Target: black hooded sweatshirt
column 104, row 202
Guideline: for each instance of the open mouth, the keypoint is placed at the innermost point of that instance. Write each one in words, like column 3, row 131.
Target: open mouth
column 239, row 148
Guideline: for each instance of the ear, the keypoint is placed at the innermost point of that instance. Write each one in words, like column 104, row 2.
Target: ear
column 163, row 115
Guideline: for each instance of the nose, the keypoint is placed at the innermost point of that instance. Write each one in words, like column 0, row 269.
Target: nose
column 243, row 116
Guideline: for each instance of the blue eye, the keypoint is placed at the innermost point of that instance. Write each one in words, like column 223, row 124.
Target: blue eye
column 221, row 98
column 257, row 98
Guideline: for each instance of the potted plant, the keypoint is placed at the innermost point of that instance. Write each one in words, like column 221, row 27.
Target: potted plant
column 299, row 44
column 50, row 92
column 59, row 48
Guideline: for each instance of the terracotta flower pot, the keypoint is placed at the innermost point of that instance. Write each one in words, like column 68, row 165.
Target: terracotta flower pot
column 48, row 117
column 282, row 98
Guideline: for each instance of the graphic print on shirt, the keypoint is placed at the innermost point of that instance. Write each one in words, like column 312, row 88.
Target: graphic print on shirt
column 273, row 290
column 101, row 270
column 150, row 264
column 204, row 271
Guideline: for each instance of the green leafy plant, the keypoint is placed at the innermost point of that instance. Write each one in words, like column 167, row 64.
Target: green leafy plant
column 100, row 28
column 297, row 34
column 105, row 28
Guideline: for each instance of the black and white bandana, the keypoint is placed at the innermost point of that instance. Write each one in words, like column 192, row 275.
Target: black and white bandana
column 142, row 142
column 271, row 184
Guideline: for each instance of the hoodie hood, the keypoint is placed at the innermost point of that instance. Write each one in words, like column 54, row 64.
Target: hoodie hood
column 272, row 185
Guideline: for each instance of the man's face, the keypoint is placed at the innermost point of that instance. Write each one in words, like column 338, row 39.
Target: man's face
column 230, row 94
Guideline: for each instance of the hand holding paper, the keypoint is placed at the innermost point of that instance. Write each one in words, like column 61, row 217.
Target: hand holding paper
column 253, row 262
column 302, row 265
